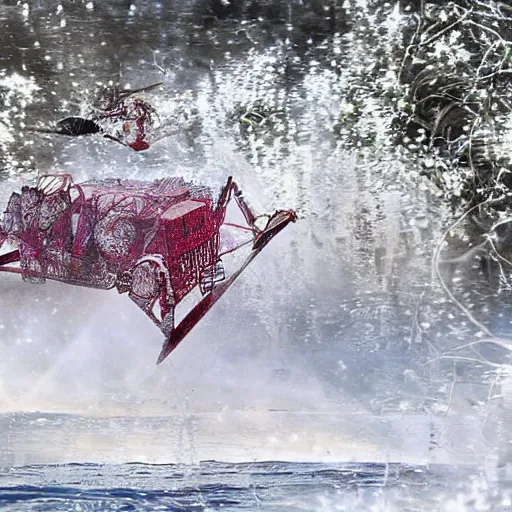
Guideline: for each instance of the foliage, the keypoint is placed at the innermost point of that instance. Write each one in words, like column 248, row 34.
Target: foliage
column 456, row 69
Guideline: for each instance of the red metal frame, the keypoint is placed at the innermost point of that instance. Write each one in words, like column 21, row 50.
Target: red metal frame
column 155, row 241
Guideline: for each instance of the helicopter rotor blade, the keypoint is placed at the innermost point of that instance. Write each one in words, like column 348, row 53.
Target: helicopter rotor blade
column 125, row 93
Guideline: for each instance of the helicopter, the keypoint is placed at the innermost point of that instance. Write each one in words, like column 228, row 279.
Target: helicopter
column 119, row 114
column 156, row 241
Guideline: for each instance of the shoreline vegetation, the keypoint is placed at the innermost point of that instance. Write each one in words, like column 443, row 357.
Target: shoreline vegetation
column 441, row 78
column 431, row 82
column 455, row 115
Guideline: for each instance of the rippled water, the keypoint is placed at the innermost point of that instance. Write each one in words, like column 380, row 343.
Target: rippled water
column 269, row 486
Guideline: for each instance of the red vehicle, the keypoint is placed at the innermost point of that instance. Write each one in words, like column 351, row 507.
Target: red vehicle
column 156, row 241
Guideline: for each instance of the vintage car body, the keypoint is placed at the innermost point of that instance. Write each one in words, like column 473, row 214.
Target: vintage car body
column 156, row 241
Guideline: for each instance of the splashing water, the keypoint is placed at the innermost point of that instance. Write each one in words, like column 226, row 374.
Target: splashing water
column 328, row 348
